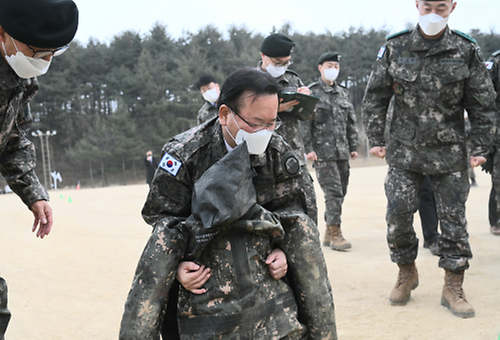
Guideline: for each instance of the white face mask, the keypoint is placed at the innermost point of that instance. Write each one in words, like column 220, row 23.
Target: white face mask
column 331, row 74
column 432, row 23
column 276, row 71
column 26, row 67
column 211, row 95
column 256, row 142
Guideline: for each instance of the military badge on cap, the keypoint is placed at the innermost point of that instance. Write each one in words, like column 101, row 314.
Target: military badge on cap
column 398, row 88
column 170, row 164
column 290, row 164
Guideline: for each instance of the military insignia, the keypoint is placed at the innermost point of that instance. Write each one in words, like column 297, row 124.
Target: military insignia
column 398, row 88
column 409, row 61
column 170, row 164
column 290, row 164
column 479, row 55
column 381, row 52
column 489, row 65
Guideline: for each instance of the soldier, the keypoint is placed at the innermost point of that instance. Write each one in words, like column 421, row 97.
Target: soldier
column 276, row 57
column 330, row 139
column 31, row 33
column 433, row 73
column 494, row 206
column 248, row 107
column 209, row 89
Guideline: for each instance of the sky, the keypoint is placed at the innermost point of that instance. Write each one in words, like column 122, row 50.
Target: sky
column 104, row 19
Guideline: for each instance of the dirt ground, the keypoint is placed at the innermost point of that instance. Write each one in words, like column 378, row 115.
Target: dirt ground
column 73, row 284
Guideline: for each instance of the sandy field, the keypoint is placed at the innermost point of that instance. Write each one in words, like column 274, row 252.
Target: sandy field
column 73, row 283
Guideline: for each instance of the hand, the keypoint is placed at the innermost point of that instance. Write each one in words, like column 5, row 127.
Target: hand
column 193, row 277
column 304, row 90
column 277, row 264
column 312, row 156
column 354, row 155
column 288, row 105
column 477, row 161
column 378, row 151
column 43, row 218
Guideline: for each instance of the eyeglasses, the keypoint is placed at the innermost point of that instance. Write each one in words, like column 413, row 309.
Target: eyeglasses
column 285, row 64
column 261, row 126
column 40, row 54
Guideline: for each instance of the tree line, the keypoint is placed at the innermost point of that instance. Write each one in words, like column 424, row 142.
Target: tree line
column 110, row 103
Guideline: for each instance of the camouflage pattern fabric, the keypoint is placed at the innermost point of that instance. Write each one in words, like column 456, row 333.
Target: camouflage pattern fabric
column 432, row 84
column 206, row 112
column 278, row 183
column 291, row 132
column 4, row 312
column 333, row 135
column 494, row 68
column 17, row 153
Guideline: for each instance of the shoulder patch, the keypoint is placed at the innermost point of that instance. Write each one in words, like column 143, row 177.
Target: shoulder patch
column 381, row 52
column 170, row 164
column 466, row 36
column 489, row 65
column 290, row 164
column 390, row 36
column 496, row 53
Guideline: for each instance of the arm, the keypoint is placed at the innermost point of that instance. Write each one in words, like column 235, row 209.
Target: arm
column 479, row 101
column 352, row 132
column 376, row 100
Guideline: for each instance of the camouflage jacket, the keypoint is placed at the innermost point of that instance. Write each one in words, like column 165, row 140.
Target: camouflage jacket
column 17, row 153
column 493, row 65
column 206, row 112
column 332, row 134
column 290, row 130
column 277, row 179
column 432, row 85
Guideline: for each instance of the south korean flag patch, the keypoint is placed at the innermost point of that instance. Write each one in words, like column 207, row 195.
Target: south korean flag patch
column 489, row 65
column 381, row 52
column 170, row 164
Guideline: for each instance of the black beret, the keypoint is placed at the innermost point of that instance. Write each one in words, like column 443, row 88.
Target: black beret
column 277, row 45
column 40, row 23
column 205, row 80
column 329, row 56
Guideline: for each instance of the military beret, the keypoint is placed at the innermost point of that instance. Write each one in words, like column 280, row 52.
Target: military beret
column 205, row 80
column 40, row 23
column 277, row 45
column 329, row 56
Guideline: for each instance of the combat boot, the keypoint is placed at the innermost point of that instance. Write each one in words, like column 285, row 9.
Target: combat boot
column 407, row 281
column 328, row 235
column 453, row 296
column 338, row 242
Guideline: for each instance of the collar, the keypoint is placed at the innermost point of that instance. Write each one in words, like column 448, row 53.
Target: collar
column 419, row 44
column 328, row 88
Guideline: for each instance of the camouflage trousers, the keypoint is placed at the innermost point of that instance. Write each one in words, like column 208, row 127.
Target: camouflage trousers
column 333, row 177
column 495, row 182
column 4, row 312
column 308, row 186
column 450, row 192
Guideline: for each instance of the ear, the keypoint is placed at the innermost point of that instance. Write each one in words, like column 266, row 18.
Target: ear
column 416, row 4
column 2, row 34
column 320, row 67
column 224, row 114
column 453, row 6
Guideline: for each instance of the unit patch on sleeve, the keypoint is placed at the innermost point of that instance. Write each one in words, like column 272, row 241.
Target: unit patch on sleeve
column 170, row 164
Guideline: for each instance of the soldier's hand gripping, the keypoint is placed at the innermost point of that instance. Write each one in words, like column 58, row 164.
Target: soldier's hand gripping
column 378, row 151
column 277, row 264
column 193, row 277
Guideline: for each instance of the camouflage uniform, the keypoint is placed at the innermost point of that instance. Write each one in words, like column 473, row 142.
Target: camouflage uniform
column 17, row 153
column 206, row 112
column 432, row 85
column 290, row 131
column 278, row 183
column 333, row 135
column 493, row 65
